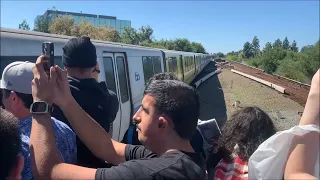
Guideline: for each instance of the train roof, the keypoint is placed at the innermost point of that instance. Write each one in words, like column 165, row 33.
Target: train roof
column 41, row 34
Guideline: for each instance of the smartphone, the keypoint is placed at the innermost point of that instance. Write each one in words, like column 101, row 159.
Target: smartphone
column 48, row 50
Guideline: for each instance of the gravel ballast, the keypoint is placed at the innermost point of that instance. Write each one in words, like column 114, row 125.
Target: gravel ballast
column 284, row 111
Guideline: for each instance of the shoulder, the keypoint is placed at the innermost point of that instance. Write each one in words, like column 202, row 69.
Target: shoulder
column 61, row 126
column 183, row 165
column 137, row 152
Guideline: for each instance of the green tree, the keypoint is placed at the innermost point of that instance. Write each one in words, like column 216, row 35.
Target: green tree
column 182, row 44
column 294, row 46
column 130, row 36
column 269, row 62
column 291, row 69
column 62, row 25
column 247, row 50
column 220, row 54
column 24, row 25
column 197, row 47
column 43, row 22
column 267, row 47
column 255, row 46
column 145, row 34
column 306, row 48
column 286, row 44
column 277, row 44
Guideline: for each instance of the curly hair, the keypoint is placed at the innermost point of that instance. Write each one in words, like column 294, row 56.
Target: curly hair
column 247, row 128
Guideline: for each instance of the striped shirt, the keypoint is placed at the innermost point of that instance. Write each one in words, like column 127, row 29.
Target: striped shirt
column 231, row 170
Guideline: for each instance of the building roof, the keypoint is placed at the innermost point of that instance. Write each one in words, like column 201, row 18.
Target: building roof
column 81, row 14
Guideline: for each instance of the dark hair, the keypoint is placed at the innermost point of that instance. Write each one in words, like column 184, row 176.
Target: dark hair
column 26, row 99
column 248, row 128
column 177, row 100
column 10, row 142
column 162, row 76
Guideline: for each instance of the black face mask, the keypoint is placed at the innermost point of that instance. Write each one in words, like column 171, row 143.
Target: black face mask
column 1, row 104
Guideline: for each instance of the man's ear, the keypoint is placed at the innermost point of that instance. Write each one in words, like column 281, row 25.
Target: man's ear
column 163, row 122
column 15, row 173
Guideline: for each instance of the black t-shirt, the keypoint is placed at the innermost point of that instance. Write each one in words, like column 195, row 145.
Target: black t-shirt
column 113, row 100
column 94, row 101
column 143, row 164
column 131, row 137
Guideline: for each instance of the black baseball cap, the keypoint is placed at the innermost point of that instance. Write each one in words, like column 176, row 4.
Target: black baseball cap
column 79, row 53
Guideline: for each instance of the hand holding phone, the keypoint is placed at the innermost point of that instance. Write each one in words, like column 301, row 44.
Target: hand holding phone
column 48, row 51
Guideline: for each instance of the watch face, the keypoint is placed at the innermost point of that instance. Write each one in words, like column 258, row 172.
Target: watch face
column 39, row 107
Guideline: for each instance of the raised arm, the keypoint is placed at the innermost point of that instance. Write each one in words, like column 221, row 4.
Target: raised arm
column 45, row 157
column 302, row 160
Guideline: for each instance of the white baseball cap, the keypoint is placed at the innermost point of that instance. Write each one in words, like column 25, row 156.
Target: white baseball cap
column 17, row 77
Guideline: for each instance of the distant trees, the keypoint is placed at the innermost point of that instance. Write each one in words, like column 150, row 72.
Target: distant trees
column 42, row 23
column 277, row 44
column 247, row 50
column 281, row 58
column 285, row 44
column 294, row 46
column 255, row 46
column 64, row 25
column 144, row 37
column 24, row 25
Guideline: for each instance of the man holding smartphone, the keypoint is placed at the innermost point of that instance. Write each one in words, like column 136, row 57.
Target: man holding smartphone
column 79, row 59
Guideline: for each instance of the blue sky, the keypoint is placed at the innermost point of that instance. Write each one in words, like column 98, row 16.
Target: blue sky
column 221, row 26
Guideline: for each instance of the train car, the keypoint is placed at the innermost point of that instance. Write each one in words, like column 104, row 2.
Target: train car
column 124, row 68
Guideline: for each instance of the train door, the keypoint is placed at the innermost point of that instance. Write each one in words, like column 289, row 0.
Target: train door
column 115, row 67
column 195, row 65
column 181, row 66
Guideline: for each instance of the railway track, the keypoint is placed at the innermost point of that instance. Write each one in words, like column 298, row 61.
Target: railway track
column 295, row 90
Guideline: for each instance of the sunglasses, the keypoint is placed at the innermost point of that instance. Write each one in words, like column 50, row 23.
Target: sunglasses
column 95, row 70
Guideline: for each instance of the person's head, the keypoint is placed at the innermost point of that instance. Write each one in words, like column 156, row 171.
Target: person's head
column 245, row 130
column 169, row 110
column 16, row 88
column 163, row 76
column 11, row 163
column 79, row 57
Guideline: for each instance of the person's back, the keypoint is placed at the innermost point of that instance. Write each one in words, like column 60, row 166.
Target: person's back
column 241, row 136
column 17, row 99
column 11, row 163
column 79, row 58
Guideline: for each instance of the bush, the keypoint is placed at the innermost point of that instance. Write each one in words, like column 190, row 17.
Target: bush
column 233, row 58
column 292, row 69
column 256, row 62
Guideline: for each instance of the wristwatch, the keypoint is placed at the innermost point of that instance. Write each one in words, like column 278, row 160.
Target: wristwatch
column 40, row 107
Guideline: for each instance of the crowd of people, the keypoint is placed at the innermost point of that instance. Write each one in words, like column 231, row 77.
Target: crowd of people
column 56, row 126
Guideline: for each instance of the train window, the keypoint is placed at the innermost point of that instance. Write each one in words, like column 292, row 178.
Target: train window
column 173, row 65
column 157, row 65
column 151, row 66
column 5, row 60
column 122, row 79
column 147, row 68
column 109, row 74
